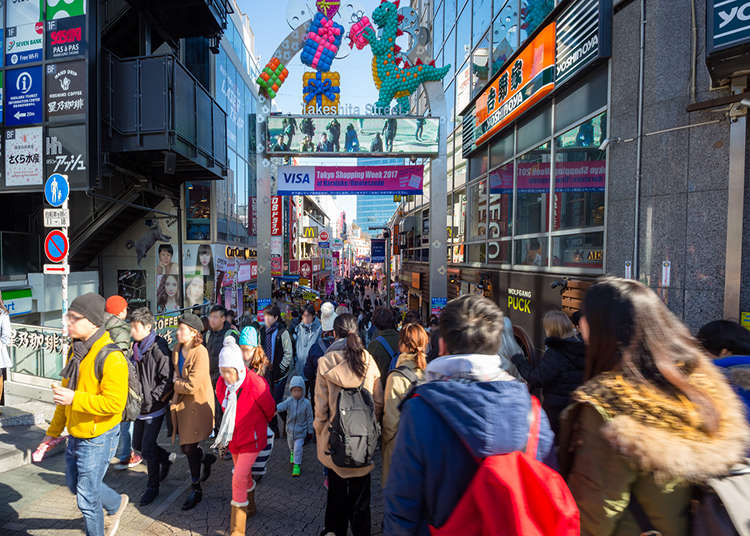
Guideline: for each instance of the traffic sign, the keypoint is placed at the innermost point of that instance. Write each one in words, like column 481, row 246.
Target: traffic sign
column 56, row 190
column 59, row 269
column 56, row 246
column 323, row 237
column 56, row 217
column 324, row 245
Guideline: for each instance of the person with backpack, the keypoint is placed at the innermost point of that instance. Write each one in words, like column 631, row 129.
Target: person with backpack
column 474, row 451
column 318, row 350
column 408, row 373
column 91, row 407
column 653, row 417
column 347, row 385
column 384, row 346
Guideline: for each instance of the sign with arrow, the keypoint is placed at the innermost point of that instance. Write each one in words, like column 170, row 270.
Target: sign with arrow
column 23, row 96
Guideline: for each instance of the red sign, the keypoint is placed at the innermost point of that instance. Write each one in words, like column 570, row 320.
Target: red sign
column 56, row 246
column 276, row 265
column 293, row 266
column 323, row 237
column 292, row 229
column 276, row 216
column 253, row 270
column 305, row 269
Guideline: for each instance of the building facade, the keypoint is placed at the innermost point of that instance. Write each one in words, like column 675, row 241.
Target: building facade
column 572, row 155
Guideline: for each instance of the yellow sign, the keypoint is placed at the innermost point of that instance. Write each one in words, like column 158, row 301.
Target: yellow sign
column 245, row 253
column 310, row 232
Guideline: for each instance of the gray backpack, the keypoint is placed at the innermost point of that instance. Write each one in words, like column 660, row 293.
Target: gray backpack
column 354, row 431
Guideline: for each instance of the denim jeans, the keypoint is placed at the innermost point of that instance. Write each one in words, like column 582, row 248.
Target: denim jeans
column 124, row 445
column 87, row 461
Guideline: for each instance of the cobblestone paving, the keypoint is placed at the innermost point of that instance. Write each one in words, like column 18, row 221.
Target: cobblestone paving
column 35, row 501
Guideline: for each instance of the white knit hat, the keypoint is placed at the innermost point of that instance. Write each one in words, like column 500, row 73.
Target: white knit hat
column 231, row 355
column 327, row 316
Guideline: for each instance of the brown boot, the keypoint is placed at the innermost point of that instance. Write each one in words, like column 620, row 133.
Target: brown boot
column 251, row 510
column 238, row 521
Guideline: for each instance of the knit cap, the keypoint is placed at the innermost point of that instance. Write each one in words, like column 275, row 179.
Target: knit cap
column 116, row 305
column 90, row 306
column 249, row 336
column 230, row 355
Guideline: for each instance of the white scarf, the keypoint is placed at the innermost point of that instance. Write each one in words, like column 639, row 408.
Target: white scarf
column 229, row 405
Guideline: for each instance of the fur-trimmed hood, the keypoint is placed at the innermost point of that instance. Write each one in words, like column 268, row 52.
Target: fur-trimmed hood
column 663, row 434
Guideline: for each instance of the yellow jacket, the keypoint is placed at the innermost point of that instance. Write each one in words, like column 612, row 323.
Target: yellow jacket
column 97, row 407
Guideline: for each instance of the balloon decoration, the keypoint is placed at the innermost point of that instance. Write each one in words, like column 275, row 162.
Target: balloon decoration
column 393, row 80
column 272, row 77
column 356, row 33
column 322, row 43
column 328, row 7
column 321, row 92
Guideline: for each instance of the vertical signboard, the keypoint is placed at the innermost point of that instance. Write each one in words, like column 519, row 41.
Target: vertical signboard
column 377, row 250
column 23, row 157
column 276, row 216
column 66, row 153
column 66, row 90
column 23, row 96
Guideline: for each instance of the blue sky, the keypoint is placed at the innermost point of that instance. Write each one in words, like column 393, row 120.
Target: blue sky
column 269, row 23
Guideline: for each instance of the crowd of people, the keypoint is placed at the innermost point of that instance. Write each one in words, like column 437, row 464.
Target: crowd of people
column 636, row 415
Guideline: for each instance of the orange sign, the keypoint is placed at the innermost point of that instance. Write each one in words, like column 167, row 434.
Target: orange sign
column 525, row 82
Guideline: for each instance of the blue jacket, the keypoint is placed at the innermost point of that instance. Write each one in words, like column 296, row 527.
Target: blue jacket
column 442, row 433
column 737, row 370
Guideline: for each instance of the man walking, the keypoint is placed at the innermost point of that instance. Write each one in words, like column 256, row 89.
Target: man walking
column 384, row 346
column 218, row 328
column 277, row 344
column 90, row 403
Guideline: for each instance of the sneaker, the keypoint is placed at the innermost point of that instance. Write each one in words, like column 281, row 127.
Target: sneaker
column 112, row 522
column 135, row 459
column 296, row 470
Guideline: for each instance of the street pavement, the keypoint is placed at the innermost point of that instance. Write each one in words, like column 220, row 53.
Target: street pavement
column 35, row 501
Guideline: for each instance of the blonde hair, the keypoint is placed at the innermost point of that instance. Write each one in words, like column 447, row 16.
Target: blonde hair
column 557, row 324
column 414, row 339
column 258, row 362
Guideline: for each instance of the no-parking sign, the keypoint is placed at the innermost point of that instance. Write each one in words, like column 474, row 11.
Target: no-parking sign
column 56, row 246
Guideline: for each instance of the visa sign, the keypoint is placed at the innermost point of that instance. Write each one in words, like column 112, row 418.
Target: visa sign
column 297, row 179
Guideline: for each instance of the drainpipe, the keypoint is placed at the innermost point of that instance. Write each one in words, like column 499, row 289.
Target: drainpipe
column 735, row 204
column 639, row 146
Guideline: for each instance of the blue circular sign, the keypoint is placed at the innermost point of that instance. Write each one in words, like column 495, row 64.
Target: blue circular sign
column 56, row 246
column 56, row 190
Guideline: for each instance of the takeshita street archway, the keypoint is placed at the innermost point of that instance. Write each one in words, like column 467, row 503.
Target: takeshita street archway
column 318, row 39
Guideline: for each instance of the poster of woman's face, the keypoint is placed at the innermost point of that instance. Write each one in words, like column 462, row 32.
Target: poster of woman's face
column 194, row 291
column 168, row 296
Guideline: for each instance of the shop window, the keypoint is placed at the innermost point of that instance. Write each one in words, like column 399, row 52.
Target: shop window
column 533, row 13
column 478, row 163
column 535, row 128
column 459, row 215
column 458, row 254
column 579, row 251
column 581, row 99
column 463, row 35
column 501, row 202
column 476, row 253
column 502, row 148
column 504, row 33
column 477, row 211
column 482, row 16
column 498, row 251
column 198, row 210
column 532, row 191
column 532, row 251
column 480, row 66
column 580, row 173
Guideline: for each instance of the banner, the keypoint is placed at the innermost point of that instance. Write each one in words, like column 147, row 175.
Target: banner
column 359, row 180
column 377, row 250
column 276, row 216
column 584, row 176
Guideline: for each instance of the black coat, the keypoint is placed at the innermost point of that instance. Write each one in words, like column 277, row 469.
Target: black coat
column 155, row 371
column 214, row 344
column 558, row 374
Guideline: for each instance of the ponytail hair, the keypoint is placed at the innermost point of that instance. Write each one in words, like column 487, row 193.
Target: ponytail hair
column 345, row 327
column 259, row 361
column 414, row 339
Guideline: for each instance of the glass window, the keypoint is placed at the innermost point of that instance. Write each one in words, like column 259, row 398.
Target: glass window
column 502, row 148
column 198, row 210
column 480, row 66
column 501, row 202
column 580, row 171
column 449, row 219
column 458, row 254
column 476, row 253
column 463, row 86
column 478, row 164
column 498, row 251
column 459, row 176
column 437, row 29
column 532, row 191
column 578, row 251
column 451, row 106
column 449, row 57
column 533, row 13
column 482, row 16
column 463, row 35
column 581, row 100
column 478, row 210
column 535, row 129
column 504, row 35
column 532, row 251
column 450, row 14
column 459, row 215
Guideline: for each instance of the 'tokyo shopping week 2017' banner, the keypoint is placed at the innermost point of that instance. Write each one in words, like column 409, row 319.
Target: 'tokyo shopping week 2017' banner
column 362, row 180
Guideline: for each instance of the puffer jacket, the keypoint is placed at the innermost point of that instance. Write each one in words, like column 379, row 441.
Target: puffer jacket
column 299, row 416
column 621, row 439
column 469, row 409
column 558, row 374
column 118, row 330
column 255, row 408
column 305, row 337
column 335, row 374
column 155, row 372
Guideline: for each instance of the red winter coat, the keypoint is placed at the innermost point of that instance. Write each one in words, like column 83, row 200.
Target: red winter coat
column 255, row 408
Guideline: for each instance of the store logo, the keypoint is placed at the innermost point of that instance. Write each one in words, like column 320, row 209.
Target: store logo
column 24, row 82
column 11, row 44
column 296, row 178
column 39, row 28
column 741, row 13
column 61, row 37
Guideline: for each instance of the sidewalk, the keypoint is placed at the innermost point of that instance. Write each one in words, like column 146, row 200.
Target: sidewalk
column 35, row 501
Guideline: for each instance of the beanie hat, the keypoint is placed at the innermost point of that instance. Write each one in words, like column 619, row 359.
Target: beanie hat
column 297, row 381
column 90, row 306
column 116, row 305
column 192, row 321
column 249, row 336
column 230, row 355
column 327, row 316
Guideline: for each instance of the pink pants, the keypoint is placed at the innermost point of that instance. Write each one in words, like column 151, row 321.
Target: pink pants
column 242, row 479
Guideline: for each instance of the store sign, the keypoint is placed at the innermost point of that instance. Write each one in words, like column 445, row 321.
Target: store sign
column 727, row 24
column 66, row 153
column 519, row 300
column 276, row 216
column 244, row 274
column 66, row 89
column 310, row 232
column 377, row 250
column 336, row 180
column 582, row 37
column 37, row 338
column 277, row 265
column 253, row 269
column 68, row 8
column 24, row 43
column 240, row 253
column 305, row 269
column 66, row 37
column 18, row 302
column 23, row 157
column 23, row 96
column 166, row 326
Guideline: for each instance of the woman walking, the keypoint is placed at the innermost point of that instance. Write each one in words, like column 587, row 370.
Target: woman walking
column 193, row 403
column 345, row 365
column 5, row 340
column 307, row 333
column 654, row 416
column 413, row 340
column 248, row 407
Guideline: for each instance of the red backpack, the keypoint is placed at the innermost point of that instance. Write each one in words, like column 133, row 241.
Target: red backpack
column 514, row 494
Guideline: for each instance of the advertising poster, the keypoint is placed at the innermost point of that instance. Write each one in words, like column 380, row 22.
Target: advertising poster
column 23, row 96
column 66, row 153
column 362, row 180
column 66, row 90
column 60, row 9
column 131, row 285
column 24, row 43
column 277, row 265
column 305, row 269
column 23, row 157
column 168, row 287
column 377, row 250
column 199, row 270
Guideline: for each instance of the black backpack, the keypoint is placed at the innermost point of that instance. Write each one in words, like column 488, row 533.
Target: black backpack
column 354, row 431
column 135, row 393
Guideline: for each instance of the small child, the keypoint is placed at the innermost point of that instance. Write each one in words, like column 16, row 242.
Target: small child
column 299, row 421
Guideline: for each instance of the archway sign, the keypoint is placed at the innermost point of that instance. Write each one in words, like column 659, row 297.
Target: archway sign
column 387, row 133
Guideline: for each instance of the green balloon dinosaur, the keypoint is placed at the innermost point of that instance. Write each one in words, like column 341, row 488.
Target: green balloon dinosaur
column 392, row 80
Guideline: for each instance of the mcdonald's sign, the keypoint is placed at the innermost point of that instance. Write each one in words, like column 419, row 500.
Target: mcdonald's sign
column 310, row 232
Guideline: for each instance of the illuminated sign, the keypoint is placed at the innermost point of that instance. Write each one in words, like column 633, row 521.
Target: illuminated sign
column 242, row 253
